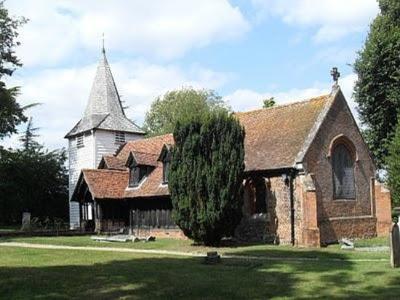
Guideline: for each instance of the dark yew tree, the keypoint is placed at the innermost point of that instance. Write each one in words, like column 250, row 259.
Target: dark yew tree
column 377, row 90
column 27, row 138
column 205, row 178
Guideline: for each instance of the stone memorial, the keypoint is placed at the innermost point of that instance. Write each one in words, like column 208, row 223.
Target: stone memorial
column 26, row 221
column 395, row 246
column 212, row 258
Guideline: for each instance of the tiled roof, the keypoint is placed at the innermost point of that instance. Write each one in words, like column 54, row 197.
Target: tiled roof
column 275, row 136
column 112, row 162
column 106, row 184
column 150, row 186
column 104, row 109
column 112, row 180
column 151, row 145
column 147, row 159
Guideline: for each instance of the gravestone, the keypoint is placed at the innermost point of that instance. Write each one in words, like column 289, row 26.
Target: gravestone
column 212, row 258
column 395, row 246
column 26, row 221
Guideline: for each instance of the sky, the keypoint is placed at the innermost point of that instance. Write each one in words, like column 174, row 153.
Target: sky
column 245, row 50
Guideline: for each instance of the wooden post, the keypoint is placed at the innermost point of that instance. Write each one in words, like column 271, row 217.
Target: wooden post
column 80, row 216
column 395, row 246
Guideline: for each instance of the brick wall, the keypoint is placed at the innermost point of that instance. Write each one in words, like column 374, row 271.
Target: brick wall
column 335, row 216
column 383, row 210
column 333, row 230
column 308, row 231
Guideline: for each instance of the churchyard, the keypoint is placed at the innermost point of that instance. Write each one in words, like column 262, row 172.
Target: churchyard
column 245, row 272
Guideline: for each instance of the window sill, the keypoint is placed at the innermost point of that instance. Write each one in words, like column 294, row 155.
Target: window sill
column 344, row 199
column 136, row 186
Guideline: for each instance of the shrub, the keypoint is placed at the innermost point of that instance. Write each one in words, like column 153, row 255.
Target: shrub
column 205, row 179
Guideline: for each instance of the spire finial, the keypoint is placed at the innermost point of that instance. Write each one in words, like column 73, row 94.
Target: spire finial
column 335, row 76
column 103, row 49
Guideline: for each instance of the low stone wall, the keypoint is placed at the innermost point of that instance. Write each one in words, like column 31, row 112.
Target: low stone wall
column 333, row 229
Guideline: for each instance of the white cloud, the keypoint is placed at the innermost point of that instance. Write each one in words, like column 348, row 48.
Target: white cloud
column 332, row 19
column 64, row 92
column 60, row 30
column 245, row 99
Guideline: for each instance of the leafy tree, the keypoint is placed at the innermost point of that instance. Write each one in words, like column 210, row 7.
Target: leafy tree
column 205, row 178
column 180, row 106
column 269, row 102
column 33, row 180
column 11, row 113
column 377, row 90
column 393, row 165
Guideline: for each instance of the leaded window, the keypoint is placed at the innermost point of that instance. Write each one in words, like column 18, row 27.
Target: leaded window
column 343, row 173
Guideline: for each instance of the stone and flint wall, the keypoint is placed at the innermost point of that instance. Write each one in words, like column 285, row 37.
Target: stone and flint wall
column 273, row 226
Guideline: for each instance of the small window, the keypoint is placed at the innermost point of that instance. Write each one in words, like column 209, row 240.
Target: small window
column 261, row 192
column 137, row 173
column 119, row 137
column 79, row 141
column 166, row 166
column 343, row 173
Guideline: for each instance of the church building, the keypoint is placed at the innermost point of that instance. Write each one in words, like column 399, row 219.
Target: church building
column 309, row 177
column 102, row 130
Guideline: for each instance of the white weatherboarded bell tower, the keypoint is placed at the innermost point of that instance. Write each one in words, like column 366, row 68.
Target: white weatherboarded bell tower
column 102, row 130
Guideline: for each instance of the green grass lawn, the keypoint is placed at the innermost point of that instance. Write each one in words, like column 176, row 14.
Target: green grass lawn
column 332, row 251
column 66, row 274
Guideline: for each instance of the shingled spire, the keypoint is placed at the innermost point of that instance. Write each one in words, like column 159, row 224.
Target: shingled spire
column 104, row 109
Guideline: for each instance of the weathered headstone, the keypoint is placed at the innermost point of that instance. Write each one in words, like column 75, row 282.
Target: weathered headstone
column 212, row 258
column 26, row 221
column 150, row 238
column 395, row 246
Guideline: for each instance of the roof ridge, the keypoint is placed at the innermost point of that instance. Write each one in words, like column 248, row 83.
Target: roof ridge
column 149, row 138
column 141, row 152
column 316, row 127
column 104, row 170
column 316, row 98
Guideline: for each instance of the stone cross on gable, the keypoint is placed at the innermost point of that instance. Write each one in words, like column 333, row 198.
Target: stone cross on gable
column 335, row 75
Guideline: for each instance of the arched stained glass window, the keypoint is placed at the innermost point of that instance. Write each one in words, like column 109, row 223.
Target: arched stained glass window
column 343, row 173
